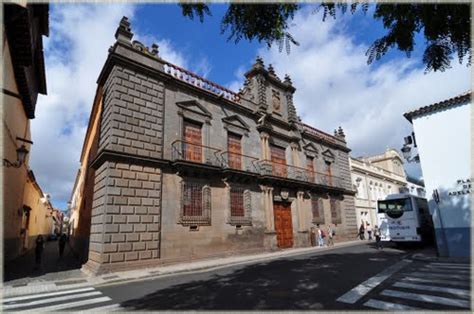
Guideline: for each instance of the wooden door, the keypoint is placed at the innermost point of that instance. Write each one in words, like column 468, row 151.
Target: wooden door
column 278, row 161
column 283, row 224
column 192, row 146
column 234, row 147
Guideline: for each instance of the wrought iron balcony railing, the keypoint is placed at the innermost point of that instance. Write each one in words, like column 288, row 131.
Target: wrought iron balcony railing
column 271, row 168
column 242, row 162
column 182, row 150
column 187, row 151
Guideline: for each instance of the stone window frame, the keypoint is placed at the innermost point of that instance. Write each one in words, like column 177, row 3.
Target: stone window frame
column 318, row 201
column 247, row 203
column 187, row 111
column 335, row 209
column 205, row 218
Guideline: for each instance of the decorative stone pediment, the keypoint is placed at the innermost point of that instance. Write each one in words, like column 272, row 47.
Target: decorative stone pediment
column 235, row 121
column 194, row 106
column 328, row 156
column 310, row 149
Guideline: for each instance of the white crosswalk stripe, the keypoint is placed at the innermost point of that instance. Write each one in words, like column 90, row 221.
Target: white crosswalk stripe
column 389, row 306
column 459, row 292
column 425, row 298
column 438, row 281
column 426, row 287
column 82, row 299
column 450, row 264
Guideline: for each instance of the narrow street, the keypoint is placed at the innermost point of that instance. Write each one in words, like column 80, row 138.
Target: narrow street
column 357, row 277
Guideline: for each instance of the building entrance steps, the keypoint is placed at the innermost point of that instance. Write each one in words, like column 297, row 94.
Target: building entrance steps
column 76, row 278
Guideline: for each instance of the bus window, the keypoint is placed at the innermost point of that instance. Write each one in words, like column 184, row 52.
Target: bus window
column 394, row 208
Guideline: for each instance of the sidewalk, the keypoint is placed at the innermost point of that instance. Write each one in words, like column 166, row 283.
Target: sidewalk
column 81, row 280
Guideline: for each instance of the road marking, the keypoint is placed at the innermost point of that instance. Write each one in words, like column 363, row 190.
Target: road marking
column 51, row 300
column 437, row 275
column 358, row 292
column 439, row 281
column 425, row 298
column 450, row 264
column 458, row 292
column 449, row 267
column 69, row 305
column 450, row 271
column 42, row 295
column 388, row 306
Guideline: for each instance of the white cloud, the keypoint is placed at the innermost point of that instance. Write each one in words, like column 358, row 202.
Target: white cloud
column 336, row 87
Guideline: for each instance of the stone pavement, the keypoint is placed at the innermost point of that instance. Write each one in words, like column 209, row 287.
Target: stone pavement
column 76, row 279
column 23, row 270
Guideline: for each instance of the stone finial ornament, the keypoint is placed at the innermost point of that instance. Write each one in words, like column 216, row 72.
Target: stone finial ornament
column 258, row 63
column 271, row 70
column 124, row 31
column 340, row 132
column 154, row 49
column 287, row 80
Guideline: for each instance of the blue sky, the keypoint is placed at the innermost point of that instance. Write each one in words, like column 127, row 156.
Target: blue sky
column 335, row 86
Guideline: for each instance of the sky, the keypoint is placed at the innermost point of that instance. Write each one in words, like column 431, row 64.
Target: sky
column 334, row 85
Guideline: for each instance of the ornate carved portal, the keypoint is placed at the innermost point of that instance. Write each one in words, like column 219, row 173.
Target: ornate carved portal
column 283, row 224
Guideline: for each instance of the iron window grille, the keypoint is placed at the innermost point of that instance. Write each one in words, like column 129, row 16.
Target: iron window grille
column 335, row 210
column 317, row 207
column 240, row 206
column 195, row 203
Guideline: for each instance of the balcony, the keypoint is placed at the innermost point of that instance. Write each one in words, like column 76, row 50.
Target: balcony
column 192, row 156
column 239, row 162
column 274, row 169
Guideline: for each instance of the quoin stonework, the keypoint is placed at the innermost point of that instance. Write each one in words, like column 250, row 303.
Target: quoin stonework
column 175, row 167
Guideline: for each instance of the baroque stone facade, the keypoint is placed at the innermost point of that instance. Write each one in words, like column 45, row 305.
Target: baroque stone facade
column 187, row 169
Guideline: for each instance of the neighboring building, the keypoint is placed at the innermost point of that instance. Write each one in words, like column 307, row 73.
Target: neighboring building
column 415, row 187
column 175, row 167
column 443, row 134
column 38, row 218
column 374, row 178
column 24, row 77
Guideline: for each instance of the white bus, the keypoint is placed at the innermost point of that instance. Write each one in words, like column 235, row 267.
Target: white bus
column 404, row 218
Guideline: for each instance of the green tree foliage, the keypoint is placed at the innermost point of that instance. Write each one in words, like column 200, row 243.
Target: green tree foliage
column 445, row 27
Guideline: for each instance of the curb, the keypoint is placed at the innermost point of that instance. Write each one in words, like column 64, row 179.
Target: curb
column 162, row 271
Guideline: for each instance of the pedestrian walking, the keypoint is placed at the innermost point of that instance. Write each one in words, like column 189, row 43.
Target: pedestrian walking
column 369, row 231
column 378, row 241
column 330, row 235
column 39, row 250
column 320, row 236
column 362, row 231
column 62, row 243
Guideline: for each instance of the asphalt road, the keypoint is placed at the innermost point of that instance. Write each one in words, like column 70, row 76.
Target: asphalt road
column 305, row 282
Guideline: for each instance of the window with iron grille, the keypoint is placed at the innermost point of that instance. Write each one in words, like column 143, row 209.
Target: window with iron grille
column 240, row 206
column 335, row 210
column 196, row 203
column 317, row 208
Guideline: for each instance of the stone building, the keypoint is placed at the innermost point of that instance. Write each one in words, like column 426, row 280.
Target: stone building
column 24, row 26
column 374, row 178
column 181, row 168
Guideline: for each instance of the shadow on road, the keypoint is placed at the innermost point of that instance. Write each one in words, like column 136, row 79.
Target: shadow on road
column 310, row 282
column 23, row 267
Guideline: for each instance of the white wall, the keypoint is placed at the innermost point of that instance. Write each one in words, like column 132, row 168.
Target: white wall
column 443, row 140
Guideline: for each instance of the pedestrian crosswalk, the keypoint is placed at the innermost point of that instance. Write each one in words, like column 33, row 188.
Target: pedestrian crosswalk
column 79, row 299
column 429, row 286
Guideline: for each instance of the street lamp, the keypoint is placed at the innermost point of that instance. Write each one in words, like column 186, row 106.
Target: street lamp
column 20, row 158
